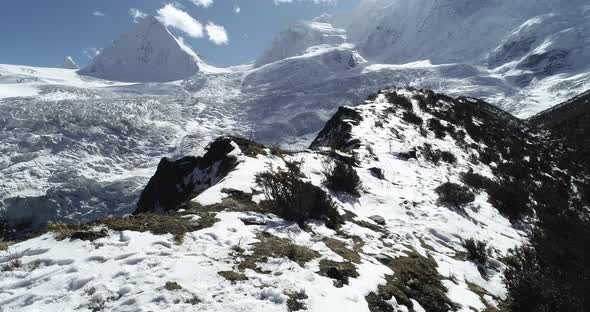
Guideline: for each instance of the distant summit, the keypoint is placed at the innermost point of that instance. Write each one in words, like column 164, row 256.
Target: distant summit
column 148, row 53
column 298, row 38
column 69, row 63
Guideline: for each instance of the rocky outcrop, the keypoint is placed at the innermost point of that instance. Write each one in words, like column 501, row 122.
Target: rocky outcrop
column 178, row 181
column 336, row 132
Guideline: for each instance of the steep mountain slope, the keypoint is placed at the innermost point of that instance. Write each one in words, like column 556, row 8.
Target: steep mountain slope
column 569, row 123
column 398, row 244
column 148, row 53
column 443, row 31
column 298, row 37
column 538, row 52
column 70, row 64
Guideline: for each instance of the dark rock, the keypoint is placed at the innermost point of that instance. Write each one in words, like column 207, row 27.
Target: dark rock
column 378, row 219
column 411, row 154
column 178, row 181
column 336, row 133
column 377, row 173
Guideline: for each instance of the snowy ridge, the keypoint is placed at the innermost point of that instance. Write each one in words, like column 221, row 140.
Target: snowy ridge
column 70, row 64
column 149, row 53
column 298, row 38
column 128, row 270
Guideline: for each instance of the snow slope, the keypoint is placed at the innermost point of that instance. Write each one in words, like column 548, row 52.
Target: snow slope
column 298, row 38
column 70, row 64
column 148, row 53
column 127, row 270
column 73, row 144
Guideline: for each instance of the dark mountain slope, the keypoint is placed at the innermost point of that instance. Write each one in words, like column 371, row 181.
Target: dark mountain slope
column 569, row 123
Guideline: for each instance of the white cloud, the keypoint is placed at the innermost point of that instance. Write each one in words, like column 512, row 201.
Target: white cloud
column 217, row 34
column 137, row 14
column 97, row 13
column 237, row 9
column 203, row 3
column 171, row 16
column 91, row 53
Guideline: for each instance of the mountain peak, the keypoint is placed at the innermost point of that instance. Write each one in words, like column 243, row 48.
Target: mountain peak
column 69, row 63
column 147, row 53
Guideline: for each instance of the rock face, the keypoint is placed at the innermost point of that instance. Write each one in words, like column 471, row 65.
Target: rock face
column 569, row 123
column 298, row 38
column 177, row 181
column 148, row 53
column 70, row 64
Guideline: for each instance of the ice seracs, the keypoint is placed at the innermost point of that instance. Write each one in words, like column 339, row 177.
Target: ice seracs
column 148, row 53
column 70, row 64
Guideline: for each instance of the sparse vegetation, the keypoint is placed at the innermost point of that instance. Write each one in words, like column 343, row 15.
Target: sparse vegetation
column 172, row 286
column 396, row 99
column 75, row 231
column 296, row 301
column 340, row 272
column 13, row 262
column 454, row 195
column 295, row 200
column 341, row 177
column 232, row 276
column 551, row 273
column 476, row 181
column 271, row 246
column 477, row 251
column 511, row 198
column 169, row 223
column 412, row 118
column 340, row 248
column 414, row 277
column 448, row 157
column 435, row 156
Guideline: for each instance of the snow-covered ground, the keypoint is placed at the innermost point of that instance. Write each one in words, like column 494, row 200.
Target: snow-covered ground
column 128, row 271
column 78, row 147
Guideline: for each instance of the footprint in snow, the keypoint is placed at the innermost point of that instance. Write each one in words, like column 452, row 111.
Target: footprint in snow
column 134, row 261
column 163, row 244
column 124, row 256
column 99, row 259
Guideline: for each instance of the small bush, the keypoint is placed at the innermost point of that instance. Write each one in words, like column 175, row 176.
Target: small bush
column 454, row 195
column 412, row 118
column 172, row 286
column 438, row 129
column 551, row 272
column 340, row 272
column 477, row 251
column 430, row 154
column 448, row 157
column 400, row 100
column 435, row 156
column 341, row 177
column 295, row 200
column 510, row 198
column 296, row 301
column 476, row 181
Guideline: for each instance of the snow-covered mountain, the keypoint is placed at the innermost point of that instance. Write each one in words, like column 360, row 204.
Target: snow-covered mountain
column 213, row 242
column 537, row 52
column 148, row 53
column 75, row 147
column 69, row 63
column 298, row 37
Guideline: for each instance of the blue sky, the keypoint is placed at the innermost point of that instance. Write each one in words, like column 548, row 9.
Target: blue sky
column 43, row 32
